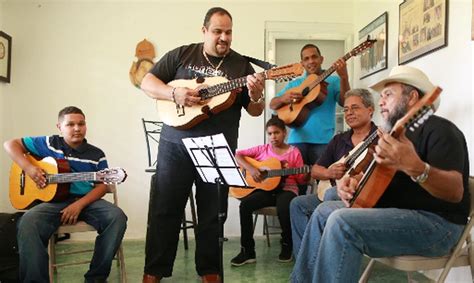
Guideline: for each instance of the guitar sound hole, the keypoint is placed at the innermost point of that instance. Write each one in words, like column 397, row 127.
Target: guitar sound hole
column 200, row 80
column 305, row 91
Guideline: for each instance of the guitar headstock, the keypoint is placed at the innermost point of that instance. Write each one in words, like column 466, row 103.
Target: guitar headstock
column 418, row 113
column 284, row 72
column 363, row 46
column 111, row 175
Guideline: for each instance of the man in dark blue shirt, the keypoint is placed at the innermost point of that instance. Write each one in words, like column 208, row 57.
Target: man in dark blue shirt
column 358, row 112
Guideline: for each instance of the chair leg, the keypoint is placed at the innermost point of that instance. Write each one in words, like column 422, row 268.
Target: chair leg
column 193, row 209
column 121, row 263
column 185, row 232
column 364, row 278
column 255, row 221
column 265, row 229
column 52, row 258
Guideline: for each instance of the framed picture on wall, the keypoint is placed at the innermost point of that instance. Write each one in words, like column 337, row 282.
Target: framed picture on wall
column 423, row 28
column 5, row 56
column 375, row 59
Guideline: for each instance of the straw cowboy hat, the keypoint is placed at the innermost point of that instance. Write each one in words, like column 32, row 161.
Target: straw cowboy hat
column 410, row 76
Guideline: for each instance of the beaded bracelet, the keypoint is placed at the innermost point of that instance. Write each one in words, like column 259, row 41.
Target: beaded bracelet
column 173, row 95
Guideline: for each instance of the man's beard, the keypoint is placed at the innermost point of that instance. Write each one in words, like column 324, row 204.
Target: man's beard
column 397, row 113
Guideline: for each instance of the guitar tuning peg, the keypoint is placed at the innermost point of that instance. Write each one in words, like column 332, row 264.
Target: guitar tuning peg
column 411, row 129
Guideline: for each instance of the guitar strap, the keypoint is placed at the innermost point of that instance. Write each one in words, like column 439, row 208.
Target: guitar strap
column 262, row 64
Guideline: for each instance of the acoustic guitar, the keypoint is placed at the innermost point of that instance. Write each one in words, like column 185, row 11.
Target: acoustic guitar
column 24, row 192
column 314, row 91
column 356, row 160
column 216, row 95
column 271, row 170
column 376, row 178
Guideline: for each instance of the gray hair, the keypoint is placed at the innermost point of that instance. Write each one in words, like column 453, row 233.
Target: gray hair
column 406, row 89
column 364, row 95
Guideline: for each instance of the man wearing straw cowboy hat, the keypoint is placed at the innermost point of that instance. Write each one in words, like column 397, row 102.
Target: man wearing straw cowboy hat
column 422, row 211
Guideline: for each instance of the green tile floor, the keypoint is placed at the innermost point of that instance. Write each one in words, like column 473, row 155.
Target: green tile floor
column 267, row 268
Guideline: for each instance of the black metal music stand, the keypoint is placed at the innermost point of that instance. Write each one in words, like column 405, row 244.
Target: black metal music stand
column 216, row 164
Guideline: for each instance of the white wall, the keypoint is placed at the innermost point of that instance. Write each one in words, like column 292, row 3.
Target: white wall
column 79, row 53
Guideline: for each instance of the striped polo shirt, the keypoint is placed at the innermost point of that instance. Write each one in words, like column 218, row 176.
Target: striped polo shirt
column 84, row 158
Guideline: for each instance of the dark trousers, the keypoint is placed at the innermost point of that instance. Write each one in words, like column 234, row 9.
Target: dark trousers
column 173, row 182
column 259, row 199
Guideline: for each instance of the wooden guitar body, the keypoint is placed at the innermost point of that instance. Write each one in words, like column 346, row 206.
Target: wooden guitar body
column 380, row 177
column 267, row 184
column 23, row 190
column 295, row 114
column 193, row 115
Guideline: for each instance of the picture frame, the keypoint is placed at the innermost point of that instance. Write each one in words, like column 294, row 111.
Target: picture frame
column 5, row 56
column 375, row 60
column 423, row 28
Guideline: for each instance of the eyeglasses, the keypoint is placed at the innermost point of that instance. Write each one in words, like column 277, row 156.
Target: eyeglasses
column 353, row 108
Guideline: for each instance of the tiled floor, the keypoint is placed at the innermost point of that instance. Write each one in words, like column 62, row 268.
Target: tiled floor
column 267, row 268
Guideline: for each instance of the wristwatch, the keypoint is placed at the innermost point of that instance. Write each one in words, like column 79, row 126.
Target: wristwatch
column 422, row 178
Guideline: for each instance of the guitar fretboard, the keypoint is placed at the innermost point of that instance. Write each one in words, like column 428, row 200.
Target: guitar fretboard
column 329, row 71
column 277, row 73
column 368, row 43
column 287, row 171
column 352, row 159
column 221, row 88
column 71, row 177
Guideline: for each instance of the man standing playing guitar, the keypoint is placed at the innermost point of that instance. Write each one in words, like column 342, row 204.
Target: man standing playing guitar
column 312, row 137
column 175, row 172
column 39, row 223
column 358, row 112
column 423, row 210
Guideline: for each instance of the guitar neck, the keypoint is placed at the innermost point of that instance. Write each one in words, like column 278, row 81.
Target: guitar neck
column 351, row 159
column 331, row 70
column 221, row 88
column 287, row 171
column 71, row 177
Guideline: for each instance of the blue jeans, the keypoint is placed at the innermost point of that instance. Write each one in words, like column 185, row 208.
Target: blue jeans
column 349, row 233
column 301, row 209
column 38, row 224
column 310, row 152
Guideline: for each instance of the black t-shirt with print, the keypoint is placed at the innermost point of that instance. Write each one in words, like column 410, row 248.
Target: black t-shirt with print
column 188, row 62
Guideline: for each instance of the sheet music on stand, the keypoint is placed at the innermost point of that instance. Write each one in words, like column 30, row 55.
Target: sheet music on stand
column 203, row 150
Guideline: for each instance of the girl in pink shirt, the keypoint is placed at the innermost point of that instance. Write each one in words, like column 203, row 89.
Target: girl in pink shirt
column 280, row 197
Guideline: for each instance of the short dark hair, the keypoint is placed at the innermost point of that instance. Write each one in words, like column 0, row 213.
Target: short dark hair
column 69, row 110
column 277, row 122
column 309, row 45
column 212, row 11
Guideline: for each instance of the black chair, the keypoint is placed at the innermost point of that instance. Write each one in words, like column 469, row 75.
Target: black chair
column 152, row 137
